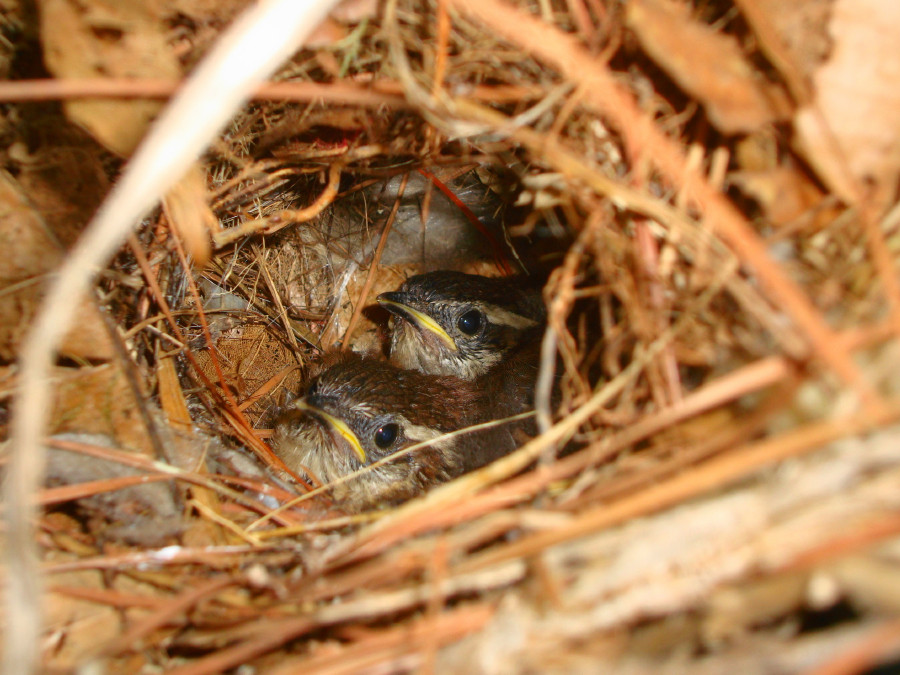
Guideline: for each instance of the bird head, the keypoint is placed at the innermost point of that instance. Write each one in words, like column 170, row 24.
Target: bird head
column 451, row 323
column 355, row 412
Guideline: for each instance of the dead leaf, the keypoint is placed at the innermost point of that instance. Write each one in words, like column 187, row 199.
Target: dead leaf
column 36, row 253
column 705, row 63
column 352, row 11
column 783, row 193
column 84, row 623
column 188, row 209
column 108, row 38
column 98, row 400
column 64, row 178
column 849, row 133
column 171, row 396
column 22, row 231
column 145, row 513
column 800, row 30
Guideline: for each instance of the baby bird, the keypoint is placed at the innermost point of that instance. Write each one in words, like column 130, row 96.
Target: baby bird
column 451, row 323
column 357, row 411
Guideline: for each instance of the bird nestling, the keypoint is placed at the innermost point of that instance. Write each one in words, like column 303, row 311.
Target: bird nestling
column 354, row 412
column 451, row 323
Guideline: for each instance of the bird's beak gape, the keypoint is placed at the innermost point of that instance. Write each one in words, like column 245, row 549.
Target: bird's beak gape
column 420, row 319
column 337, row 424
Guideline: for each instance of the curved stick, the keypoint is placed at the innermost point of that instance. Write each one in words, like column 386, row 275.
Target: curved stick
column 254, row 46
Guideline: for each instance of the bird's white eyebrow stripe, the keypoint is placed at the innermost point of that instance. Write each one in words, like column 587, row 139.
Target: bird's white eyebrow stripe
column 420, row 434
column 503, row 317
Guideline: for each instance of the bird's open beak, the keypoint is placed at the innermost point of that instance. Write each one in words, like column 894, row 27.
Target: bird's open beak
column 337, row 424
column 392, row 303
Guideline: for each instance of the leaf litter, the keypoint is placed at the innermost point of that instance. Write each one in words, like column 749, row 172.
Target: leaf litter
column 708, row 192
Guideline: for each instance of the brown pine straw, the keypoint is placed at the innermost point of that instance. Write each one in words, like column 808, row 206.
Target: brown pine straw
column 169, row 556
column 397, row 648
column 265, row 635
column 164, row 615
column 111, row 598
column 266, row 388
column 702, row 479
column 277, row 221
column 878, row 645
column 863, row 536
column 68, row 493
column 373, row 265
column 374, row 94
column 643, row 138
column 454, row 503
column 171, row 472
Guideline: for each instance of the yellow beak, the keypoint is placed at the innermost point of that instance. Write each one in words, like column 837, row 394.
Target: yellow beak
column 338, row 425
column 421, row 319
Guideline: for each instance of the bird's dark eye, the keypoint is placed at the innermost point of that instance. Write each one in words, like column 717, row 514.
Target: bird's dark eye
column 386, row 435
column 313, row 388
column 470, row 322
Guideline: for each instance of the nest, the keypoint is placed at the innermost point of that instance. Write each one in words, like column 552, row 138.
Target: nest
column 715, row 483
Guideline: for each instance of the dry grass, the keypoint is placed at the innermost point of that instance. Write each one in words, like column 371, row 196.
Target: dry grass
column 729, row 405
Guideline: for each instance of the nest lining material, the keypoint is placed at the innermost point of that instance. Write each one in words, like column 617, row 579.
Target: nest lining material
column 672, row 524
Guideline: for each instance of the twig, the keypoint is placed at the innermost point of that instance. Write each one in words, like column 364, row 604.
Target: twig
column 373, row 94
column 607, row 96
column 715, row 474
column 373, row 265
column 866, row 653
column 422, row 515
column 277, row 221
column 163, row 615
column 245, row 55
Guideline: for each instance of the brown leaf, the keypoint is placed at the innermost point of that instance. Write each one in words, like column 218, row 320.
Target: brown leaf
column 109, row 38
column 799, row 27
column 145, row 512
column 849, row 133
column 34, row 253
column 84, row 623
column 249, row 357
column 187, row 206
column 352, row 11
column 171, row 396
column 98, row 401
column 705, row 63
column 783, row 193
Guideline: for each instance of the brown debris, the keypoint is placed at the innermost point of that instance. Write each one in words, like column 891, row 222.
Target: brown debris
column 706, row 192
column 849, row 131
column 705, row 63
column 108, row 39
column 34, row 252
